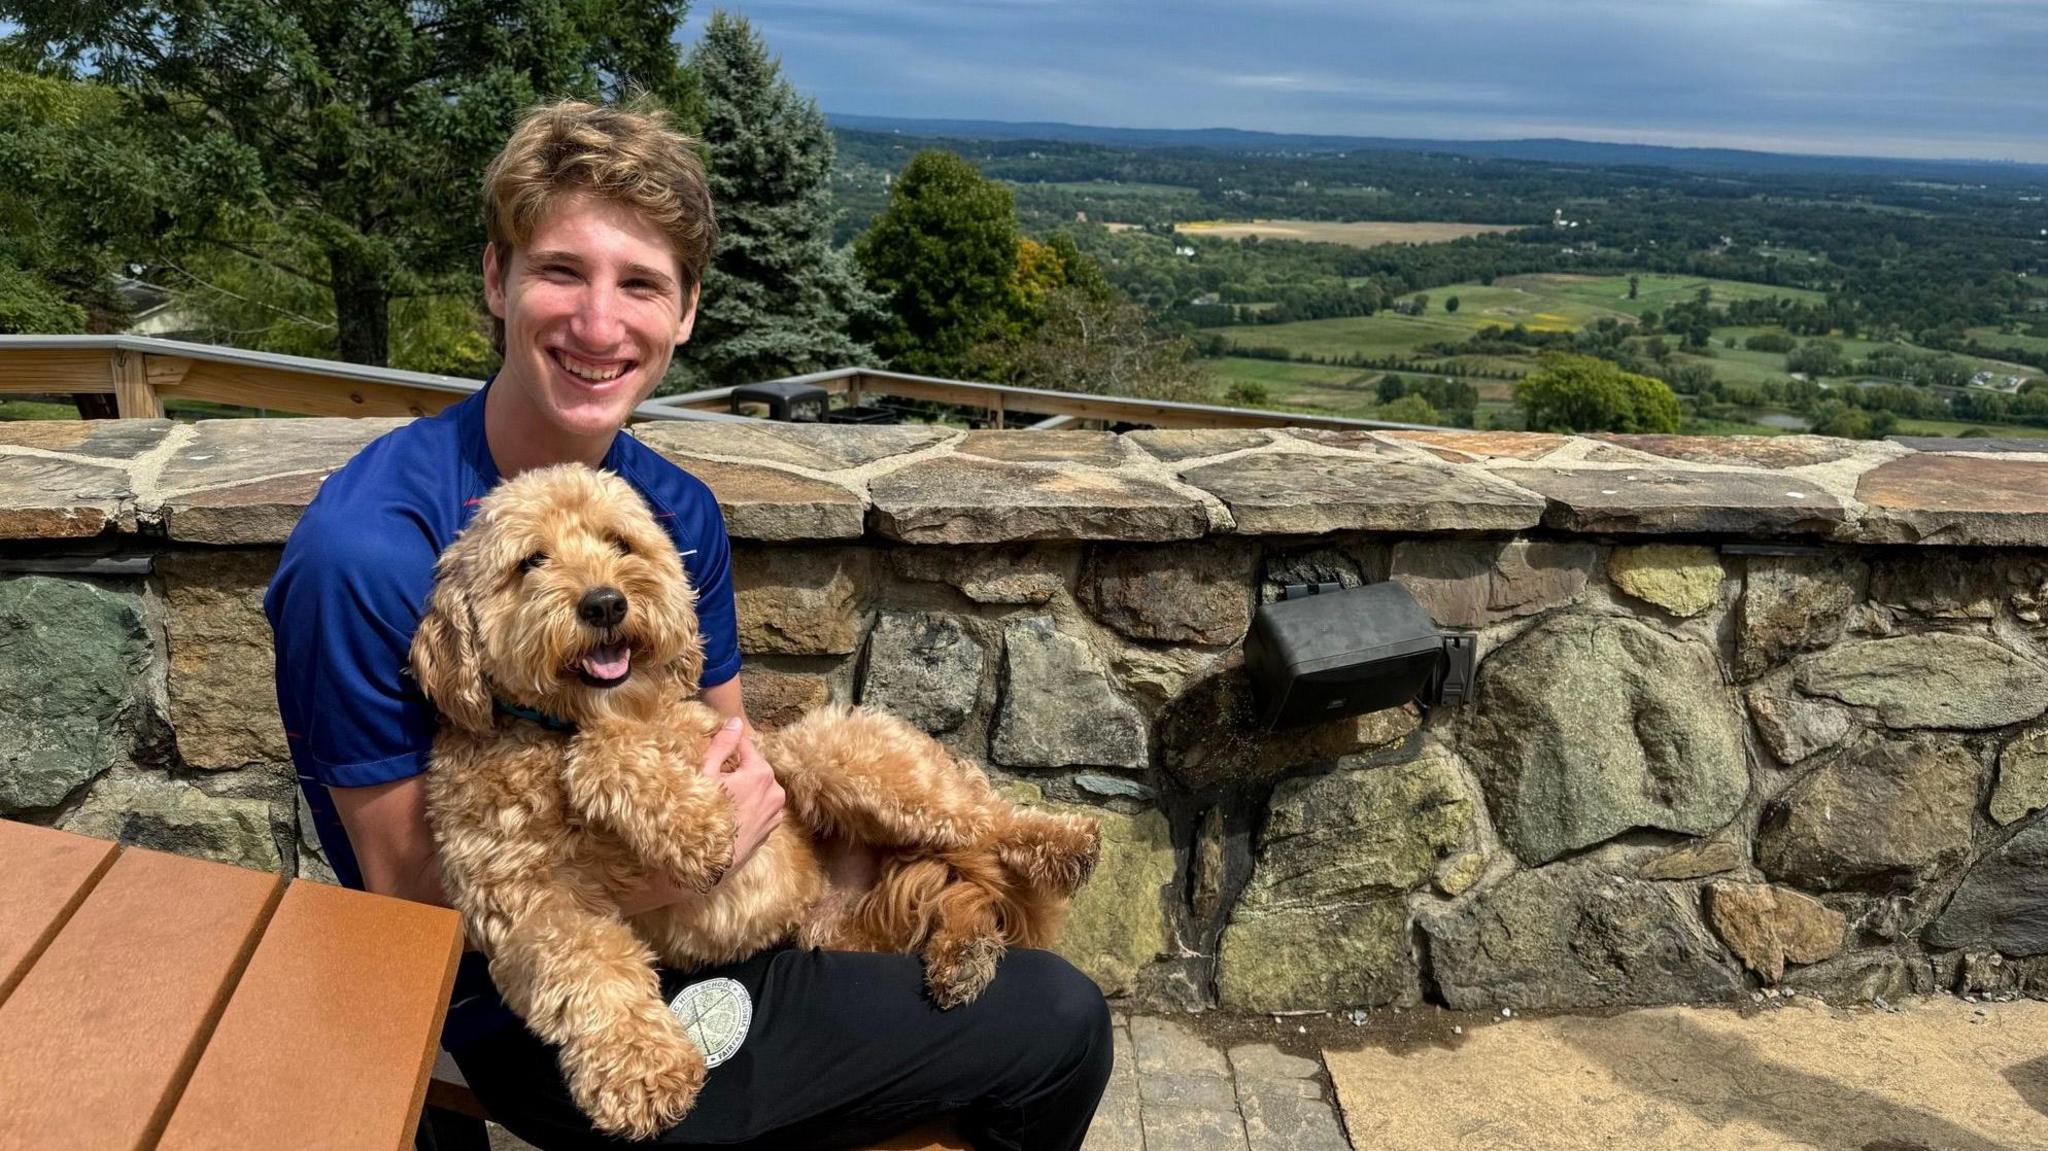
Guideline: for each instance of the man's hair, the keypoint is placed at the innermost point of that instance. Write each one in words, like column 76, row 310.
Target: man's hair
column 625, row 154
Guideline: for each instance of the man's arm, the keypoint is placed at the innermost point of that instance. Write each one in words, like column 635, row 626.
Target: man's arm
column 726, row 700
column 387, row 827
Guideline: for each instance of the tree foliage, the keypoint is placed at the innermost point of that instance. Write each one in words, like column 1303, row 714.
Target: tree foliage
column 1835, row 418
column 1104, row 344
column 778, row 299
column 1816, row 358
column 340, row 142
column 1410, row 409
column 1068, row 330
column 944, row 257
column 1581, row 394
column 76, row 199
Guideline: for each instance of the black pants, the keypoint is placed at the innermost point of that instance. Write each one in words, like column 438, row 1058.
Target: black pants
column 846, row 1049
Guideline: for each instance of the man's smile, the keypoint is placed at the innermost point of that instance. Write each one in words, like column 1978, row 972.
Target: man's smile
column 590, row 371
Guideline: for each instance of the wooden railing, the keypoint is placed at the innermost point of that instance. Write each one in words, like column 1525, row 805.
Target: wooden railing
column 1049, row 409
column 142, row 373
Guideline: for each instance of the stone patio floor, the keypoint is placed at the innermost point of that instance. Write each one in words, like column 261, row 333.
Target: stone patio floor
column 1937, row 1074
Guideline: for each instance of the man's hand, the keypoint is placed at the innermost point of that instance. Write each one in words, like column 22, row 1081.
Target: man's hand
column 737, row 765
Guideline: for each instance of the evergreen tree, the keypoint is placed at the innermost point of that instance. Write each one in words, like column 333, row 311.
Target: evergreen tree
column 778, row 300
column 944, row 256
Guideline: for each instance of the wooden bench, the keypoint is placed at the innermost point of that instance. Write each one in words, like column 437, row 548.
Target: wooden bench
column 149, row 1000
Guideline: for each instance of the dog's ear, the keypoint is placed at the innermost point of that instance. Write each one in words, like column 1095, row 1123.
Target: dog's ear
column 689, row 663
column 679, row 609
column 445, row 660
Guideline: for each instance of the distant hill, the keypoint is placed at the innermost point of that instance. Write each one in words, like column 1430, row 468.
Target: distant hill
column 1556, row 151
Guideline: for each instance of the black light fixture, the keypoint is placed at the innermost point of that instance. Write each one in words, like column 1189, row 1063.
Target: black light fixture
column 1323, row 652
column 787, row 400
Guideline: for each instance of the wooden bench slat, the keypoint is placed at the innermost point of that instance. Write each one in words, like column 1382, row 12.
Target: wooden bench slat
column 331, row 1033
column 98, row 1038
column 449, row 1091
column 44, row 876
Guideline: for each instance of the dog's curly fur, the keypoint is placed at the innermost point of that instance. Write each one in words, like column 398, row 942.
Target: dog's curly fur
column 541, row 830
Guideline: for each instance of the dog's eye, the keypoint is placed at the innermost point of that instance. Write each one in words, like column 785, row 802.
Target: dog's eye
column 533, row 561
column 625, row 549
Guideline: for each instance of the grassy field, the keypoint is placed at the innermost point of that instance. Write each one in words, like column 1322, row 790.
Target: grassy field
column 1561, row 303
column 1543, row 303
column 12, row 408
column 1913, row 427
column 1363, row 234
column 1993, row 338
column 1275, row 373
column 1302, row 387
column 1546, row 303
column 19, row 408
column 1380, row 335
column 1738, row 363
column 1330, row 391
column 1610, row 293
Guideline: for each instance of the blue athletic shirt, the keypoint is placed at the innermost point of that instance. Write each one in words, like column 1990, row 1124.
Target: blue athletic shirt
column 350, row 590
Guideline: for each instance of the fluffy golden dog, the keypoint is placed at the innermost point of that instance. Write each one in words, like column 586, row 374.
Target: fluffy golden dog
column 560, row 646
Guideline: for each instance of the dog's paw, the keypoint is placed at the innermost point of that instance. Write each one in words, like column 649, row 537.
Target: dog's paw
column 958, row 971
column 700, row 872
column 639, row 1088
column 699, row 861
column 1054, row 853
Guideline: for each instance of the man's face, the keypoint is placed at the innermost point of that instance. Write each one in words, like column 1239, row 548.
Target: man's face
column 593, row 307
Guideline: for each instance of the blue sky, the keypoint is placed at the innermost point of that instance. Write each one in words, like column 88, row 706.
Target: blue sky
column 1928, row 78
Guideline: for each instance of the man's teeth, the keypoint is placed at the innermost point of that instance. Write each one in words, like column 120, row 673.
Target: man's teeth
column 584, row 371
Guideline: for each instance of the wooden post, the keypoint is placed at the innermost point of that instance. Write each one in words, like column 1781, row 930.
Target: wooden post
column 995, row 413
column 134, row 398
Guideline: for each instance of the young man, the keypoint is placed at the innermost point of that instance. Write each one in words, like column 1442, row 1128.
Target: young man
column 600, row 228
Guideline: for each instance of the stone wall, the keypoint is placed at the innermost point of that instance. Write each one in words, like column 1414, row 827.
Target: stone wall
column 1749, row 713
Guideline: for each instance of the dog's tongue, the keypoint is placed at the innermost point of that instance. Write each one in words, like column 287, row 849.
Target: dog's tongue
column 609, row 661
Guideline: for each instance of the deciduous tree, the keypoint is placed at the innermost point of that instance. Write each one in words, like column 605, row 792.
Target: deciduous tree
column 77, row 198
column 943, row 255
column 1410, row 409
column 1582, row 394
column 1100, row 343
column 352, row 132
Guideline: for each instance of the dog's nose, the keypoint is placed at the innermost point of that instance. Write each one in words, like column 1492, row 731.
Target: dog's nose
column 602, row 607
